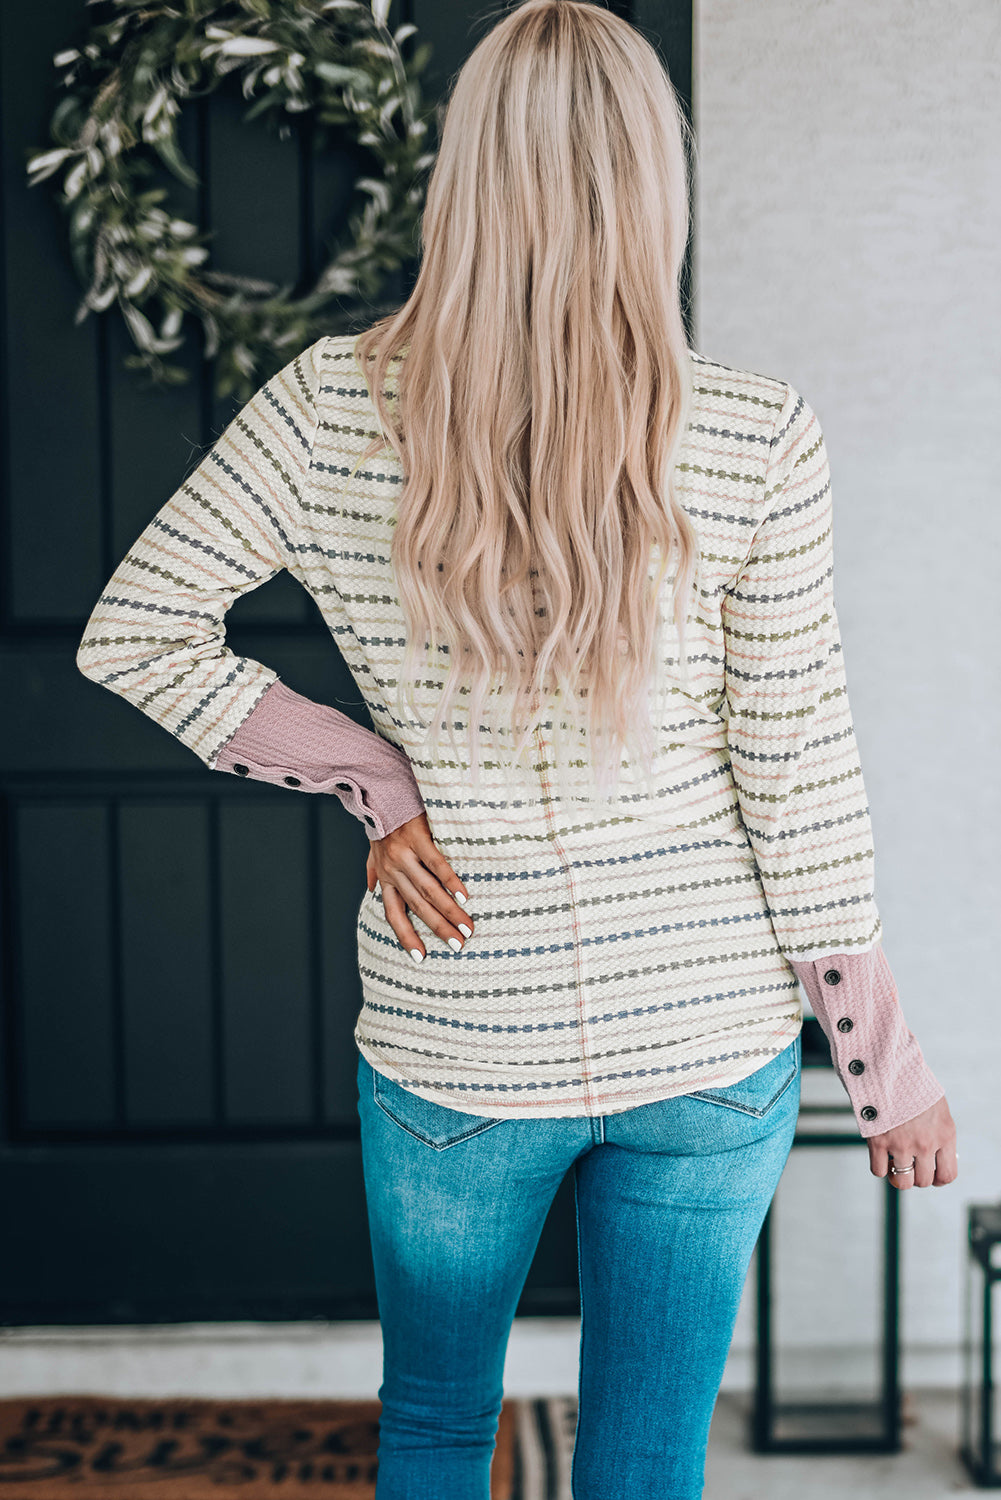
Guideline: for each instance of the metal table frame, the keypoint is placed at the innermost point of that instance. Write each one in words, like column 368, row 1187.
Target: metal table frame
column 765, row 1410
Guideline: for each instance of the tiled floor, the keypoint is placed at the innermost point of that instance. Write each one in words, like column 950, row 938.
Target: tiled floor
column 927, row 1469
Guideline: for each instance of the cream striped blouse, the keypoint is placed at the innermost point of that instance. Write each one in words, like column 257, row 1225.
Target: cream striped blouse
column 620, row 956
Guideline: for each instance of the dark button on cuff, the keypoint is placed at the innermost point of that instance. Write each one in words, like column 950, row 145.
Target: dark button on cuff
column 292, row 781
column 856, row 1065
column 869, row 1113
column 846, row 1023
column 242, row 770
column 832, row 976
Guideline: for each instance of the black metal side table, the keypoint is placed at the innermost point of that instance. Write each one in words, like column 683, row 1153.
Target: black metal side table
column 979, row 1447
column 818, row 1426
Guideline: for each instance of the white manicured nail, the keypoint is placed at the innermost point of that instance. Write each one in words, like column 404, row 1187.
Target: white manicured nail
column 459, row 897
column 416, row 955
column 454, row 943
column 466, row 931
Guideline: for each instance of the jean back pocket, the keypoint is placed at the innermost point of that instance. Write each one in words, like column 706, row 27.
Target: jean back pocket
column 761, row 1090
column 436, row 1125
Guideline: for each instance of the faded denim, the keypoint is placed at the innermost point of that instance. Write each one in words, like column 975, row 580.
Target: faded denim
column 670, row 1200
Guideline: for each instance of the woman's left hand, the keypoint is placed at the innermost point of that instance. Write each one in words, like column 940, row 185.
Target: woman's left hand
column 414, row 876
column 930, row 1138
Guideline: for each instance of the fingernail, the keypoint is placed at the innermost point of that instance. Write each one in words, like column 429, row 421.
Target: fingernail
column 416, row 955
column 455, row 944
column 459, row 897
column 466, row 931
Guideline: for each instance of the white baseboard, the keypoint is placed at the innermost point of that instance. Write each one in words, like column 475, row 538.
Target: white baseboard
column 344, row 1360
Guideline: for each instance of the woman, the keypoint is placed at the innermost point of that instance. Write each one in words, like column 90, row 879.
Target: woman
column 601, row 562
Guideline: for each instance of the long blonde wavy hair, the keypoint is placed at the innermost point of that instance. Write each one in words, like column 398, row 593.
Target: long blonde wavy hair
column 545, row 391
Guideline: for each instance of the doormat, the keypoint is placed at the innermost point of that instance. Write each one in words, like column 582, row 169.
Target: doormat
column 109, row 1448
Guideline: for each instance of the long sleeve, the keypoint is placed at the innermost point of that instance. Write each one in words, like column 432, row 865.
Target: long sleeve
column 799, row 780
column 156, row 635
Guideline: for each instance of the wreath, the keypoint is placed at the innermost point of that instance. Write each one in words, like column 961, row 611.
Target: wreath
column 332, row 59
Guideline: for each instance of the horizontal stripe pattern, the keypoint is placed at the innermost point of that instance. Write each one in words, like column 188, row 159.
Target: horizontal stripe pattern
column 622, row 953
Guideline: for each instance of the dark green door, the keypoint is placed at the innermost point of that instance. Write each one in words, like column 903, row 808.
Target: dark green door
column 178, row 1132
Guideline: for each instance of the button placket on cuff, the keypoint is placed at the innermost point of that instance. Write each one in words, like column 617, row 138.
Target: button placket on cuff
column 242, row 770
column 356, row 805
column 856, row 1066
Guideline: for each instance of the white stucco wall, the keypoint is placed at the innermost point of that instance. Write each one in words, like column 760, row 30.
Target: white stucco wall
column 848, row 240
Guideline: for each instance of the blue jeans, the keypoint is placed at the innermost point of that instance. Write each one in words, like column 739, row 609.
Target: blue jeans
column 670, row 1200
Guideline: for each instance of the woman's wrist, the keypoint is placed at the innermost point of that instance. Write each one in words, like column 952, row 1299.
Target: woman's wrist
column 290, row 740
column 877, row 1058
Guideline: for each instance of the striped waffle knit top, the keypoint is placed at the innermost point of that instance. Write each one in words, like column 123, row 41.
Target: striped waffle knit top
column 620, row 954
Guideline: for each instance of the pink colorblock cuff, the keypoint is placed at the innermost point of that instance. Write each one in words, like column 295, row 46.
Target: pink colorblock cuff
column 875, row 1055
column 291, row 741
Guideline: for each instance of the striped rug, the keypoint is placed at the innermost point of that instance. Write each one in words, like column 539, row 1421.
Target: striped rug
column 112, row 1448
